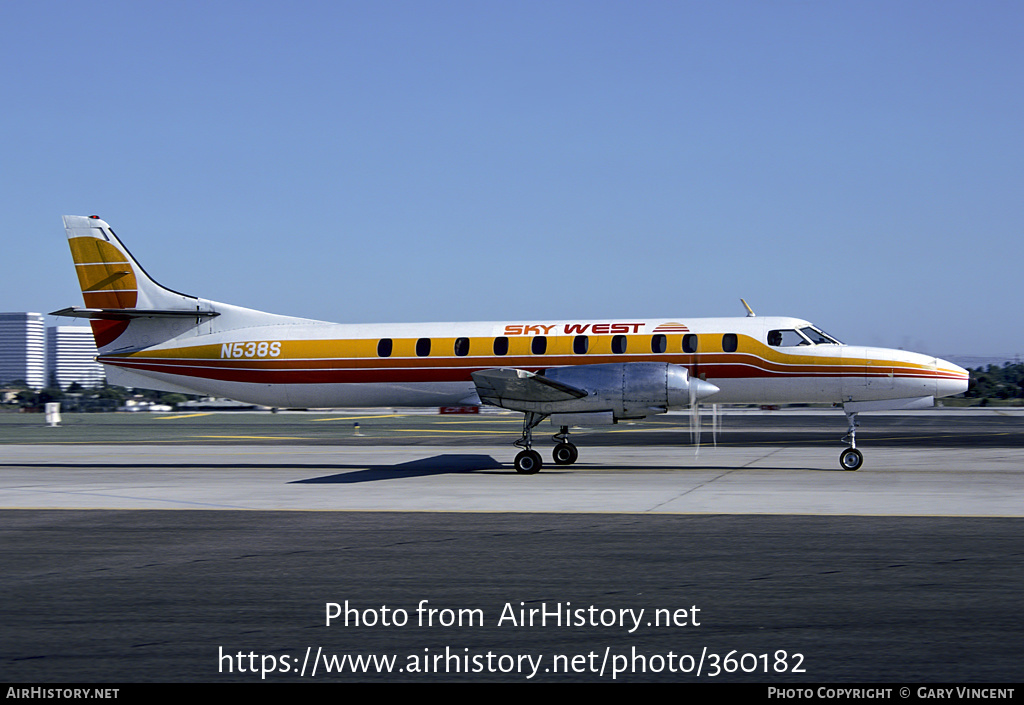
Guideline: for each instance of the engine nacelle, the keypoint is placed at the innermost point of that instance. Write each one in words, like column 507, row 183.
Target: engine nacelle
column 627, row 389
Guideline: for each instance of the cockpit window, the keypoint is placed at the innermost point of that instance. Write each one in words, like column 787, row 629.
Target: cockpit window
column 786, row 338
column 789, row 337
column 819, row 337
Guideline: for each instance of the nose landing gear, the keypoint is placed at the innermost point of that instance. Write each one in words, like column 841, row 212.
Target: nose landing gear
column 851, row 458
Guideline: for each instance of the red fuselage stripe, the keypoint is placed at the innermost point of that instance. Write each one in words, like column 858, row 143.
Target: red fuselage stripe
column 322, row 371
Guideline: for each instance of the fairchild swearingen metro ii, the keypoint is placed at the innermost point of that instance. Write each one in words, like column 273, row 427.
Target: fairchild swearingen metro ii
column 573, row 372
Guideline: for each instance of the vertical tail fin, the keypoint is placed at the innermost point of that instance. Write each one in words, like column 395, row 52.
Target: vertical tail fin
column 105, row 272
column 116, row 289
column 108, row 274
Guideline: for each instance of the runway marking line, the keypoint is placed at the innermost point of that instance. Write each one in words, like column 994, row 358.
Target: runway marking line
column 261, row 438
column 431, row 430
column 357, row 418
column 515, row 421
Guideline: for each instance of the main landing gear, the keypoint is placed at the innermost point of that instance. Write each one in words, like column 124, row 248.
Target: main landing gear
column 851, row 458
column 528, row 461
column 564, row 453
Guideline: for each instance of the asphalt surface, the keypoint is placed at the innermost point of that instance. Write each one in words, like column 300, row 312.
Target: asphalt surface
column 218, row 560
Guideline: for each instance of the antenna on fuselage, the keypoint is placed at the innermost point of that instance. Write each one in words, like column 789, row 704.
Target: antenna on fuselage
column 750, row 311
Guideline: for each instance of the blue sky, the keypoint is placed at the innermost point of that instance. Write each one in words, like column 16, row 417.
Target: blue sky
column 857, row 164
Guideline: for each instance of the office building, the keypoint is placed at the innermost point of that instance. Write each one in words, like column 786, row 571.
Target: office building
column 70, row 357
column 23, row 349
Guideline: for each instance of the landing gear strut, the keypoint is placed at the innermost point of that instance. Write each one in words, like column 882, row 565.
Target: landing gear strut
column 851, row 458
column 564, row 453
column 529, row 462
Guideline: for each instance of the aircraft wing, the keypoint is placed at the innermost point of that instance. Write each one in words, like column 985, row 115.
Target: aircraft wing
column 499, row 386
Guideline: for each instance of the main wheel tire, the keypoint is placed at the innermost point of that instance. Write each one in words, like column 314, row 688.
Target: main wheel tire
column 851, row 459
column 528, row 462
column 565, row 454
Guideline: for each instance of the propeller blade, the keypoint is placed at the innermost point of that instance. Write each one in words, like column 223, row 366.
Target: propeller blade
column 699, row 389
column 694, row 418
column 715, row 424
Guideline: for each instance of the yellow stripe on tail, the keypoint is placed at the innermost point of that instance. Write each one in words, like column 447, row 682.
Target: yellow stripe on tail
column 104, row 273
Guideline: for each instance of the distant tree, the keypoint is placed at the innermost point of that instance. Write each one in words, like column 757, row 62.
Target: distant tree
column 48, row 394
column 173, row 399
column 27, row 398
column 112, row 392
column 995, row 382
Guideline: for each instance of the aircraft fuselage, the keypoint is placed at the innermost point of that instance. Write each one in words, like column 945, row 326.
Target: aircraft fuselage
column 322, row 365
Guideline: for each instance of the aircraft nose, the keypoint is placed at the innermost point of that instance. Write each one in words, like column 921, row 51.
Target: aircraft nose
column 950, row 379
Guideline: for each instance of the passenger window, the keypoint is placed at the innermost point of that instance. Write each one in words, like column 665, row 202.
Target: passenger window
column 689, row 343
column 659, row 343
column 729, row 342
column 501, row 346
column 580, row 344
column 462, row 347
column 423, row 347
column 619, row 344
column 384, row 346
column 539, row 345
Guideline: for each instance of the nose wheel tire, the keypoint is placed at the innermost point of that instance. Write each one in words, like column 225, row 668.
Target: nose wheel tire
column 565, row 454
column 851, row 459
column 528, row 462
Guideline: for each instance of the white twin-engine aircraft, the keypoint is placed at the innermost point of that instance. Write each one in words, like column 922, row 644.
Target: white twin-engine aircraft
column 573, row 372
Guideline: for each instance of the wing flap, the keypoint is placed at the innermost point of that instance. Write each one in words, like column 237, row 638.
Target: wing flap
column 502, row 386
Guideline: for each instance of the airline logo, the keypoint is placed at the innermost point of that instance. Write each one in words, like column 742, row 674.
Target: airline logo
column 572, row 328
column 105, row 275
column 672, row 328
column 107, row 281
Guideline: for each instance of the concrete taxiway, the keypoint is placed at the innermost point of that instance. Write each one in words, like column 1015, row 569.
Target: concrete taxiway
column 943, row 463
column 725, row 480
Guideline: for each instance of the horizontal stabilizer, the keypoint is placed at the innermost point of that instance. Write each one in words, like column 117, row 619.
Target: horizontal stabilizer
column 125, row 314
column 503, row 385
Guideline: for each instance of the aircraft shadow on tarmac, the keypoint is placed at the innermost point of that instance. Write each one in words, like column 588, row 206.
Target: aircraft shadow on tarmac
column 445, row 464
column 448, row 464
column 437, row 465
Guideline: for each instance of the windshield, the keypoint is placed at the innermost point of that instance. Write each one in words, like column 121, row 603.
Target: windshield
column 790, row 337
column 819, row 337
